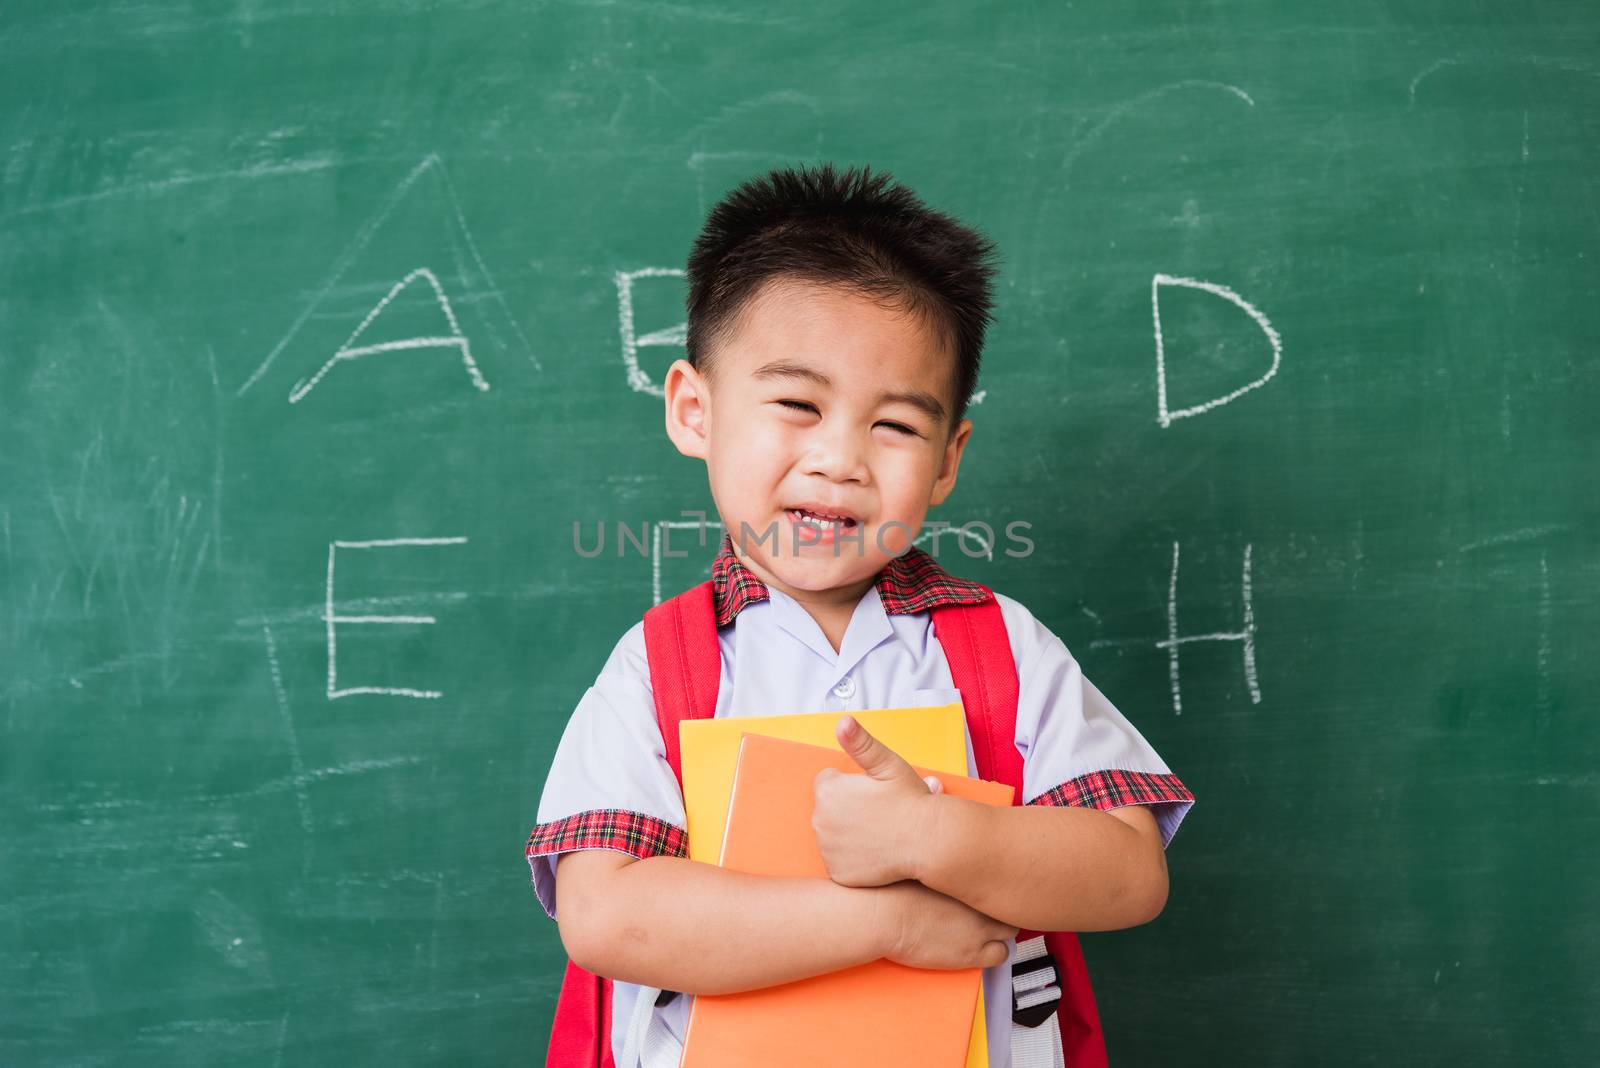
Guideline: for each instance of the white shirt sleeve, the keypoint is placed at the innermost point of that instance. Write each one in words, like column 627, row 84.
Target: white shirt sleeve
column 1077, row 748
column 610, row 785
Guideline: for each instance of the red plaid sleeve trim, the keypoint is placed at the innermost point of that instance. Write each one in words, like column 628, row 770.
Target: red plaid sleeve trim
column 633, row 833
column 1115, row 788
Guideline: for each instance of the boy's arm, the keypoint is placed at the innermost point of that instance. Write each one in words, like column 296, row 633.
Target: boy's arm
column 1044, row 868
column 679, row 924
column 1041, row 867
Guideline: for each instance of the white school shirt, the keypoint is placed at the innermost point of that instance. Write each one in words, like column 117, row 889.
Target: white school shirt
column 611, row 787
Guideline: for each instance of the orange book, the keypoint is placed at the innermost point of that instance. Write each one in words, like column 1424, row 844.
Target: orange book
column 881, row 1014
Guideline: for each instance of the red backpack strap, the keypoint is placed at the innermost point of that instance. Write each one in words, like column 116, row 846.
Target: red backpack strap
column 580, row 1035
column 1083, row 1043
column 978, row 649
column 974, row 640
column 680, row 640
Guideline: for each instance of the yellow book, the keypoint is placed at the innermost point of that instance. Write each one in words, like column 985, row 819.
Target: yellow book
column 934, row 737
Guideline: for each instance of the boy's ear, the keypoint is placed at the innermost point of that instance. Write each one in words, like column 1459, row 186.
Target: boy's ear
column 688, row 408
column 953, row 451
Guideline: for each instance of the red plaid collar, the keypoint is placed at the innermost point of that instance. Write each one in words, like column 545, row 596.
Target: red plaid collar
column 911, row 582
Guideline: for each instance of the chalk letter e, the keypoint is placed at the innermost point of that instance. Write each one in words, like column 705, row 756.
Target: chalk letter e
column 334, row 692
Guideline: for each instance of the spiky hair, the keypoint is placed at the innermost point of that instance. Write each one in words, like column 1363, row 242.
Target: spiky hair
column 855, row 230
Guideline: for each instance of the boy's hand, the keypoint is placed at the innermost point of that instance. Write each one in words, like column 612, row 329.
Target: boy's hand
column 869, row 827
column 926, row 929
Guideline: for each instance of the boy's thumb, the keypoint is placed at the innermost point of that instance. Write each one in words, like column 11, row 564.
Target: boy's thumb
column 995, row 954
column 934, row 785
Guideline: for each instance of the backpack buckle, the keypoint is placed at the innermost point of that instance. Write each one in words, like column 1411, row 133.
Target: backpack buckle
column 1035, row 990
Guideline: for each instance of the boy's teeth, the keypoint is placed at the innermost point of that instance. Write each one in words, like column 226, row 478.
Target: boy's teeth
column 811, row 517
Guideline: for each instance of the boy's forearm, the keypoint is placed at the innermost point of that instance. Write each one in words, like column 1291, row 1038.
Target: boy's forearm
column 680, row 924
column 1043, row 868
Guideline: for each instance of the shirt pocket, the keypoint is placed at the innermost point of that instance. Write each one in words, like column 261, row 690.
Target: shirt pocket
column 938, row 695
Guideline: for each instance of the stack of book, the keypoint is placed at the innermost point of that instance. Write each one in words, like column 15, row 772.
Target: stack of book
column 748, row 793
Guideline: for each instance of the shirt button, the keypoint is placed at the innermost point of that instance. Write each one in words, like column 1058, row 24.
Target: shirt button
column 845, row 687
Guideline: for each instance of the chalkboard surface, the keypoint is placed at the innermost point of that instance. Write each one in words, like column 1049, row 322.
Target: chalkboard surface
column 321, row 325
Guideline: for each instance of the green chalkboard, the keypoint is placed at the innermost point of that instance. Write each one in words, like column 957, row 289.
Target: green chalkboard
column 321, row 325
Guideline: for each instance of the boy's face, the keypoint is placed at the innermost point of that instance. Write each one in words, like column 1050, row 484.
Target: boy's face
column 821, row 399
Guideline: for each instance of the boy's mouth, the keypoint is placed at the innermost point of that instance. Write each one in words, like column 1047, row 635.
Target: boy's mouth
column 822, row 518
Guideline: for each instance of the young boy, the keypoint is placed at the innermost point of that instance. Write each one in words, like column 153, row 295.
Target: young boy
column 835, row 325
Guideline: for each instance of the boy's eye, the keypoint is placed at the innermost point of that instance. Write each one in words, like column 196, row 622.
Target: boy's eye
column 805, row 406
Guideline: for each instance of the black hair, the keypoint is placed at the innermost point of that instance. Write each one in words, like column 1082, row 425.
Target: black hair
column 854, row 230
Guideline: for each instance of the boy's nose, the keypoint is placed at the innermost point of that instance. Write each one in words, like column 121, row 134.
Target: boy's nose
column 837, row 469
column 837, row 454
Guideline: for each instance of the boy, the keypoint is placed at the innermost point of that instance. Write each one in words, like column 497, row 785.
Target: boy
column 834, row 331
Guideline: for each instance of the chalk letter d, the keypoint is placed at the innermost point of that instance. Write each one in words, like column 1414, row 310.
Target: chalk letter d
column 1165, row 417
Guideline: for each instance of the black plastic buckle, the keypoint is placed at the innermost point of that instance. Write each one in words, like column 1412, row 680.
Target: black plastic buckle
column 665, row 997
column 1034, row 1015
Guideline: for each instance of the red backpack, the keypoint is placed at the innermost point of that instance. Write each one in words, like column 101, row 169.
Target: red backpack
column 685, row 670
